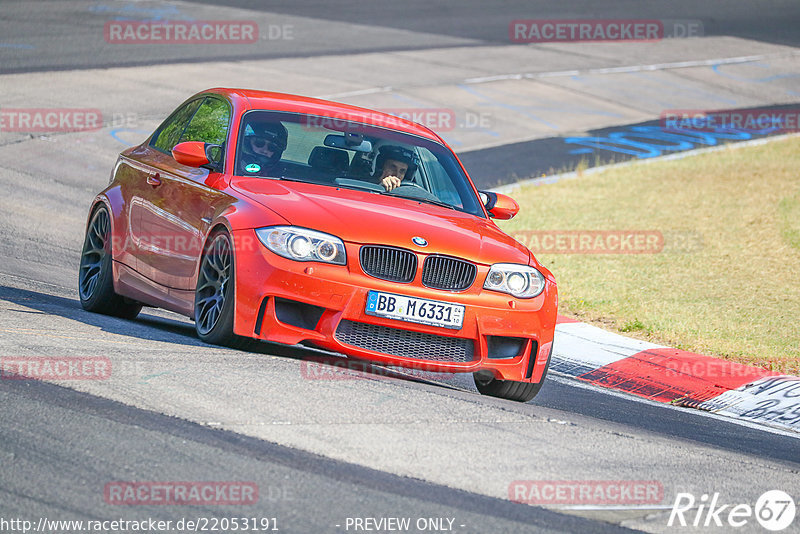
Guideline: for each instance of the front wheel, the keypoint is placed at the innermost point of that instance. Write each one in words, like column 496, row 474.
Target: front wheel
column 95, row 276
column 510, row 389
column 214, row 296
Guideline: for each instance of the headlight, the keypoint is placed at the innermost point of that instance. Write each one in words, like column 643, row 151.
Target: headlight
column 301, row 244
column 522, row 281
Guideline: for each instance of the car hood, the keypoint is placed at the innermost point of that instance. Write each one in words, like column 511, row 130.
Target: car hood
column 371, row 218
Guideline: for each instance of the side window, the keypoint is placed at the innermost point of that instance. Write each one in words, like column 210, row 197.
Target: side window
column 170, row 132
column 210, row 123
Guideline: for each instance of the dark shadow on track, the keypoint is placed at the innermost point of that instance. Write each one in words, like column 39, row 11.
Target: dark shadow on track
column 684, row 423
column 489, row 21
column 92, row 420
column 507, row 164
column 149, row 327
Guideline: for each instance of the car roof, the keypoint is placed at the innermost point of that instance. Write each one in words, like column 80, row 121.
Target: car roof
column 253, row 99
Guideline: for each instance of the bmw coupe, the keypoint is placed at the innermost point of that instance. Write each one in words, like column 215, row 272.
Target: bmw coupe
column 302, row 221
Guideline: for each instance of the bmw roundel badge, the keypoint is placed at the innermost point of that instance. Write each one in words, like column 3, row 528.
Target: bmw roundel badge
column 419, row 241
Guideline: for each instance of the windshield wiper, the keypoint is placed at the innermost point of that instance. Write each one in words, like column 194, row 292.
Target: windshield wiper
column 438, row 203
column 351, row 186
column 428, row 200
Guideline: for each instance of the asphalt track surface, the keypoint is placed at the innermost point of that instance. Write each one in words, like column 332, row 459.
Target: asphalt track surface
column 67, row 38
column 319, row 450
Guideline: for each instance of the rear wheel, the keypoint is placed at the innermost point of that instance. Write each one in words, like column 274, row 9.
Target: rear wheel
column 95, row 276
column 214, row 296
column 509, row 389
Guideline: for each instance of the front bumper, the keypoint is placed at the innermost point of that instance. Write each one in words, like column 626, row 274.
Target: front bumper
column 286, row 301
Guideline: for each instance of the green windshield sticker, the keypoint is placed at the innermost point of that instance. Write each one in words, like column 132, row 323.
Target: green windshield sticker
column 253, row 167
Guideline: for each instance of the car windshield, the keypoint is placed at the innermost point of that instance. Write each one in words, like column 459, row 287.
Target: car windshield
column 340, row 153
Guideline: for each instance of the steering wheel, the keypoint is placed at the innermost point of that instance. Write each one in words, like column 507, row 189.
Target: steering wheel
column 412, row 190
column 410, row 184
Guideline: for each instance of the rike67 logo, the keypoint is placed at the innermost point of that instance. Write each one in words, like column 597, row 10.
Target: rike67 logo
column 774, row 510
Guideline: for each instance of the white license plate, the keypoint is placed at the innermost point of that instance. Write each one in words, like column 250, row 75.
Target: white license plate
column 424, row 311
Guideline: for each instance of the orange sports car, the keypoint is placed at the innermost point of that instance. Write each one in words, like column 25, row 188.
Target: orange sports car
column 297, row 220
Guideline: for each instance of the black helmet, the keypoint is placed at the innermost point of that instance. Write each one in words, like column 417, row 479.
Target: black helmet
column 265, row 132
column 396, row 153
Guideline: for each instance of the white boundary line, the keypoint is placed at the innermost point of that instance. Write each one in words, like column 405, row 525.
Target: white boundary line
column 630, row 68
column 579, row 72
column 570, row 380
column 608, row 508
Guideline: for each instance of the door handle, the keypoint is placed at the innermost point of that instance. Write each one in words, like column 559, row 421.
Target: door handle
column 154, row 179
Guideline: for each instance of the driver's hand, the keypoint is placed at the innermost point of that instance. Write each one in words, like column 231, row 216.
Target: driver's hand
column 390, row 182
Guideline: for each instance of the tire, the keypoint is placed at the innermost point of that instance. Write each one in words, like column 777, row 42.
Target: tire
column 95, row 275
column 214, row 295
column 510, row 389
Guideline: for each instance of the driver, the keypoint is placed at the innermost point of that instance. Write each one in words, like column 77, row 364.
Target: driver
column 392, row 165
column 262, row 148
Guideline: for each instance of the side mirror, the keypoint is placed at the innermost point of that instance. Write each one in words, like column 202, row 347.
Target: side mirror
column 498, row 205
column 197, row 154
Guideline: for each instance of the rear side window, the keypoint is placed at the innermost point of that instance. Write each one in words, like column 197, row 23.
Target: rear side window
column 210, row 123
column 170, row 132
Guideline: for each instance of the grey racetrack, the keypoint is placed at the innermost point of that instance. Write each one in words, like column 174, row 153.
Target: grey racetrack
column 320, row 450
